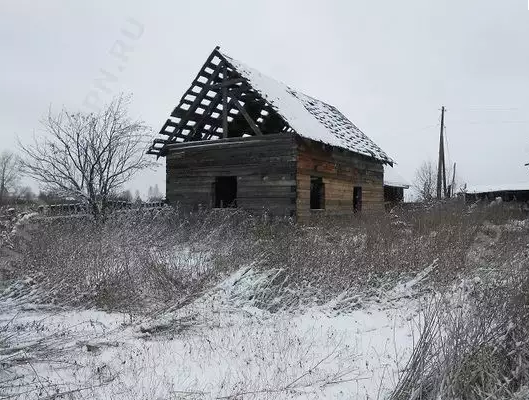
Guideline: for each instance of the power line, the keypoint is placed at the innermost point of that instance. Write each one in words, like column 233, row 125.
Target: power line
column 418, row 130
column 490, row 122
column 489, row 108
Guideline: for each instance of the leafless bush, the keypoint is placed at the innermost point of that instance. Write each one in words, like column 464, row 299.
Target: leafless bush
column 477, row 349
column 425, row 181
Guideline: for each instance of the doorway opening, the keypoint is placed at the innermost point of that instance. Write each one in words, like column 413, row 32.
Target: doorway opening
column 225, row 192
column 357, row 198
column 317, row 193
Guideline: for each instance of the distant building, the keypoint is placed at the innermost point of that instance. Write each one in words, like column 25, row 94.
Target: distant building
column 513, row 192
column 394, row 186
column 241, row 139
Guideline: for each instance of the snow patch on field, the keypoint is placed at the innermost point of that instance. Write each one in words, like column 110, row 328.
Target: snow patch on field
column 217, row 346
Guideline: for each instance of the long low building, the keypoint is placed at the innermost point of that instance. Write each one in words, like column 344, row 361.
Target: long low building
column 507, row 192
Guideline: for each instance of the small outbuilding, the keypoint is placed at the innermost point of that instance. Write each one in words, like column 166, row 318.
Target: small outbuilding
column 238, row 138
column 394, row 186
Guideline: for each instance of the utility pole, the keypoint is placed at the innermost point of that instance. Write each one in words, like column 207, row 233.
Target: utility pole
column 441, row 172
column 452, row 188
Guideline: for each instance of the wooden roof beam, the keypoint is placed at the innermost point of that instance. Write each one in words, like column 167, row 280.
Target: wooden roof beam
column 199, row 96
column 248, row 119
column 227, row 83
column 207, row 115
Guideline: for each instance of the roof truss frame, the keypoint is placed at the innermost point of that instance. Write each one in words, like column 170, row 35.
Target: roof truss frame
column 219, row 104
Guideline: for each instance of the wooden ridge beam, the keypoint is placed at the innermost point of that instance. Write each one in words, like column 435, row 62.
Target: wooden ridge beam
column 197, row 118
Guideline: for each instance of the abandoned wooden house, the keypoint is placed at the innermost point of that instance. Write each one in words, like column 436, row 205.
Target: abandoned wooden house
column 241, row 139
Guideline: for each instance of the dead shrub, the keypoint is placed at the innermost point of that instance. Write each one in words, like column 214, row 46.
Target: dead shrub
column 475, row 348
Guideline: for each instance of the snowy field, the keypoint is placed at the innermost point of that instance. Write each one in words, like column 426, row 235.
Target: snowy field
column 219, row 346
column 236, row 309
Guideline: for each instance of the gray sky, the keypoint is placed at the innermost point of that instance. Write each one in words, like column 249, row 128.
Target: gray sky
column 387, row 65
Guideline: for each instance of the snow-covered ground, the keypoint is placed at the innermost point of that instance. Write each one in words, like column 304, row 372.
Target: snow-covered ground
column 218, row 346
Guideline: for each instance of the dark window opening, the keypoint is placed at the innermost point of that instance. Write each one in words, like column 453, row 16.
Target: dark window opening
column 317, row 193
column 357, row 198
column 225, row 192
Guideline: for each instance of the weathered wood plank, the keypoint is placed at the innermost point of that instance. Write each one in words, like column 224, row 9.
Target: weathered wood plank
column 341, row 172
column 265, row 171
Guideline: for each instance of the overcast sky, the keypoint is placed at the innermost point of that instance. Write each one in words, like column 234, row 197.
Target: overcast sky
column 387, row 65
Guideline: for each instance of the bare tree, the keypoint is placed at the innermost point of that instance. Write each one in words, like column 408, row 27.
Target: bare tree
column 425, row 182
column 9, row 174
column 137, row 197
column 88, row 156
column 153, row 194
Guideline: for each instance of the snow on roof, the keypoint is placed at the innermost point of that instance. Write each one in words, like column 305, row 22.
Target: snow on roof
column 392, row 178
column 309, row 117
column 497, row 188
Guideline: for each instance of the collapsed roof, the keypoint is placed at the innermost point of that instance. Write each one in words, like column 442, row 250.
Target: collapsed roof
column 229, row 99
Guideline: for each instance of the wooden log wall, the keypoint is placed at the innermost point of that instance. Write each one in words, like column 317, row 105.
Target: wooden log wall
column 341, row 171
column 265, row 167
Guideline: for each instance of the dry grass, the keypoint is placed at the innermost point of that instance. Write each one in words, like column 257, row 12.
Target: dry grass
column 373, row 250
column 138, row 260
column 476, row 345
column 133, row 261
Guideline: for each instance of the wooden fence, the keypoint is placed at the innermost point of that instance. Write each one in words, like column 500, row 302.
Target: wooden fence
column 83, row 208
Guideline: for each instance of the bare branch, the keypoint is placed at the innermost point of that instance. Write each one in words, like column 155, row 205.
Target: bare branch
column 88, row 156
column 9, row 174
column 425, row 181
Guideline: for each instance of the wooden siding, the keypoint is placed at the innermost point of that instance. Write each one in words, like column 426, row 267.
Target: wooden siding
column 265, row 167
column 341, row 171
